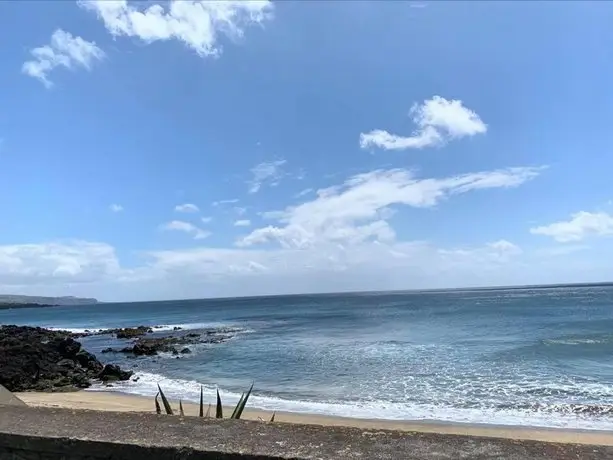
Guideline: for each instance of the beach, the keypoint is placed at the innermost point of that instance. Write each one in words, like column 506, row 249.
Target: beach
column 117, row 402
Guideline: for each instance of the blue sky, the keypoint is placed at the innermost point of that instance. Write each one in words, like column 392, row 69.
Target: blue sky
column 190, row 149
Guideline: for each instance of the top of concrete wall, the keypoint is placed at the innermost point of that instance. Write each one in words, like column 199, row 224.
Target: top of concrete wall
column 125, row 435
column 9, row 399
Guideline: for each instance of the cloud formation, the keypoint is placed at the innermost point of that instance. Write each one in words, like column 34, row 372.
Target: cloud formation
column 186, row 227
column 438, row 121
column 116, row 207
column 196, row 24
column 64, row 50
column 357, row 211
column 581, row 225
column 187, row 208
column 266, row 174
column 49, row 263
column 242, row 223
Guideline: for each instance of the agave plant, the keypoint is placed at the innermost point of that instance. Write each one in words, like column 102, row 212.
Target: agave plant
column 236, row 413
column 165, row 402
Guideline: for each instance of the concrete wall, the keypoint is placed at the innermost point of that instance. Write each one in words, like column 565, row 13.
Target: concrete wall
column 60, row 434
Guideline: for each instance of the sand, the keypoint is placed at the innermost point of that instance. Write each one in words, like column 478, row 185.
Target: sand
column 107, row 401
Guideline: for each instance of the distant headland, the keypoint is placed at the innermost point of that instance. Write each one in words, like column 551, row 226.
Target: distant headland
column 27, row 301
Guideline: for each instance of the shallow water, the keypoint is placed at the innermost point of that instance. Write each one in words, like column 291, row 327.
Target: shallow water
column 514, row 356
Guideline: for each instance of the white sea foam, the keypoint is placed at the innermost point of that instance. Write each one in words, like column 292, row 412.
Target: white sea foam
column 156, row 328
column 378, row 409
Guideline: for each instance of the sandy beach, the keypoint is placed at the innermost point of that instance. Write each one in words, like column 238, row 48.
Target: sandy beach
column 117, row 402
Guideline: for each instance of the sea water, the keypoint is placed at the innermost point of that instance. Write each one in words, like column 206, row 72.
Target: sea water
column 529, row 356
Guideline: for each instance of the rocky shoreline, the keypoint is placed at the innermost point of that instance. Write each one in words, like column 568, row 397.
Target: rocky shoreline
column 38, row 359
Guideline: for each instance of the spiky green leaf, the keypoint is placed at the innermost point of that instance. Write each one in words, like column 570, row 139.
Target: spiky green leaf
column 272, row 419
column 242, row 403
column 208, row 412
column 165, row 402
column 158, row 409
column 219, row 411
column 235, row 411
column 201, row 413
column 181, row 413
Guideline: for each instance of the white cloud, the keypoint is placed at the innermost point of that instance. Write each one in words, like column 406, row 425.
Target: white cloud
column 302, row 193
column 197, row 24
column 341, row 239
column 223, row 202
column 206, row 220
column 94, row 269
column 116, row 207
column 358, row 210
column 581, row 225
column 239, row 210
column 267, row 173
column 438, row 120
column 181, row 226
column 64, row 50
column 187, row 207
column 242, row 223
column 71, row 262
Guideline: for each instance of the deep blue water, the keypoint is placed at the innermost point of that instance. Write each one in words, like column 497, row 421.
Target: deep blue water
column 509, row 356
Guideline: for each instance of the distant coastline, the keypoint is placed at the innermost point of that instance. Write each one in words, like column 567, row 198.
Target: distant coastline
column 8, row 301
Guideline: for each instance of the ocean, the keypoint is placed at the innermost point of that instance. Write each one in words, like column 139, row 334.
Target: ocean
column 521, row 356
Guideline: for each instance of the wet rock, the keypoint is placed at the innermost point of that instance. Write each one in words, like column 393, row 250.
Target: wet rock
column 37, row 359
column 142, row 348
column 120, row 333
column 185, row 351
column 112, row 373
column 109, row 350
column 133, row 332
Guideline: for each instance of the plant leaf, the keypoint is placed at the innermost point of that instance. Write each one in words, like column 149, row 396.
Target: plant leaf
column 201, row 413
column 158, row 409
column 243, row 402
column 181, row 413
column 272, row 419
column 235, row 411
column 208, row 412
column 219, row 411
column 165, row 402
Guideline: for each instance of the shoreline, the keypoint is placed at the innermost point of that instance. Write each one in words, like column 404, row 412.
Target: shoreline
column 121, row 402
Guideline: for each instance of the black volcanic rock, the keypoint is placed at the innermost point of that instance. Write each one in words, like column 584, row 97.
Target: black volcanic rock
column 132, row 332
column 112, row 373
column 175, row 344
column 37, row 359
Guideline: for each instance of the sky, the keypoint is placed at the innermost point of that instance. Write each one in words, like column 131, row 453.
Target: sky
column 186, row 149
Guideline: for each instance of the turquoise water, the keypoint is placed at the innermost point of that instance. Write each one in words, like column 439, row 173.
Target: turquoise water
column 509, row 356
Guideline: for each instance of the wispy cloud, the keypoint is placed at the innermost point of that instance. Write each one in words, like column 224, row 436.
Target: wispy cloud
column 242, row 223
column 197, row 24
column 223, row 202
column 186, row 227
column 581, row 225
column 302, row 193
column 438, row 120
column 267, row 173
column 187, row 207
column 116, row 207
column 206, row 220
column 64, row 50
column 358, row 210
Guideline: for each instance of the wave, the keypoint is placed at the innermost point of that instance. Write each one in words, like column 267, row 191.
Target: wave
column 577, row 416
column 233, row 328
column 580, row 340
